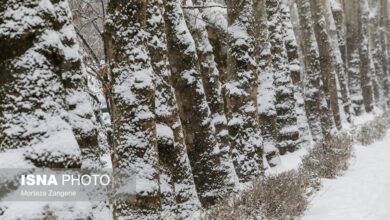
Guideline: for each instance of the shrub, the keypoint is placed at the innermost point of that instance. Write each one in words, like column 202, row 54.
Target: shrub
column 285, row 196
column 328, row 159
column 372, row 131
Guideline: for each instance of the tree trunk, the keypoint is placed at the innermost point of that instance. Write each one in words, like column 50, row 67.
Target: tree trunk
column 133, row 97
column 179, row 199
column 241, row 92
column 43, row 87
column 365, row 58
column 351, row 9
column 295, row 70
column 214, row 174
column 319, row 115
column 327, row 59
column 336, row 37
column 266, row 93
column 286, row 122
column 383, row 20
column 211, row 79
column 376, row 51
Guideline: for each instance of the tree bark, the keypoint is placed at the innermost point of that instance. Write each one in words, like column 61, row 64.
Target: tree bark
column 319, row 115
column 241, row 92
column 266, row 93
column 286, row 122
column 365, row 58
column 327, row 59
column 135, row 153
column 179, row 199
column 214, row 175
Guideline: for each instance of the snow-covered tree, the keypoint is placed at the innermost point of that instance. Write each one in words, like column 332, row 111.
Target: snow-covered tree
column 365, row 57
column 240, row 91
column 45, row 106
column 265, row 94
column 376, row 52
column 383, row 38
column 351, row 10
column 178, row 192
column 319, row 115
column 327, row 59
column 336, row 36
column 213, row 172
column 210, row 76
column 46, row 113
column 286, row 121
column 292, row 49
column 135, row 154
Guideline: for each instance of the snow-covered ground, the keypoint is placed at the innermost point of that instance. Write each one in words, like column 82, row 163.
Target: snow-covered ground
column 362, row 193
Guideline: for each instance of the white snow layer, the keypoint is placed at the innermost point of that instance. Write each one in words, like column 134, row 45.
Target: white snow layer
column 363, row 193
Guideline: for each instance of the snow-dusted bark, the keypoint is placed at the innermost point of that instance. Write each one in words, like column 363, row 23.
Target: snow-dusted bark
column 265, row 94
column 291, row 45
column 319, row 115
column 286, row 121
column 44, row 103
column 216, row 20
column 240, row 92
column 351, row 10
column 365, row 57
column 335, row 35
column 135, row 153
column 376, row 52
column 213, row 171
column 179, row 198
column 211, row 77
column 339, row 19
column 327, row 59
column 45, row 111
column 383, row 23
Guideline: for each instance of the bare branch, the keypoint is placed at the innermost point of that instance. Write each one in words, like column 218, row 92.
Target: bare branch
column 94, row 56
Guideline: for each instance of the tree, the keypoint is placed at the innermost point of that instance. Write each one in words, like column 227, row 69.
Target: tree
column 45, row 109
column 351, row 10
column 266, row 93
column 213, row 172
column 327, row 59
column 179, row 198
column 286, row 122
column 383, row 24
column 241, row 92
column 319, row 115
column 210, row 77
column 377, row 54
column 135, row 153
column 336, row 37
column 365, row 57
column 291, row 45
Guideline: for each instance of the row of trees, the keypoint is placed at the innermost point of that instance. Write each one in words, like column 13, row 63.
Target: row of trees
column 203, row 95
